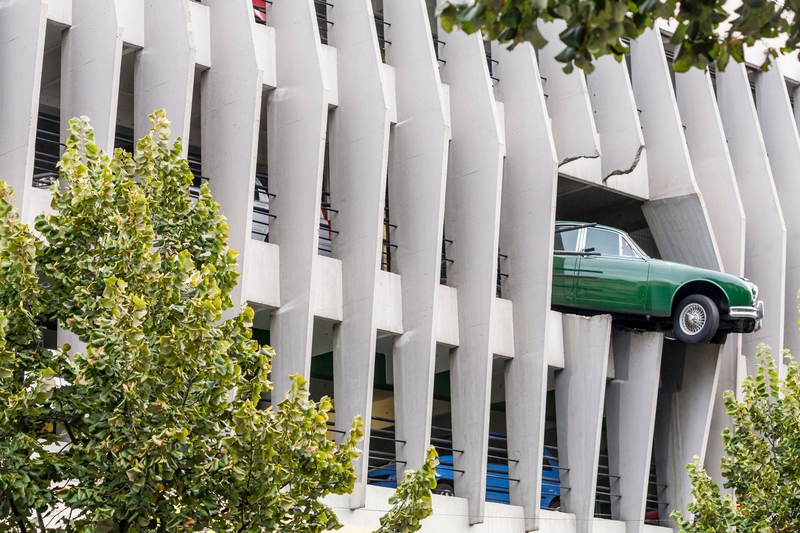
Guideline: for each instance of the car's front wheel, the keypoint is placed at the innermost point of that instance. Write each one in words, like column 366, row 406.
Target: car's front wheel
column 696, row 319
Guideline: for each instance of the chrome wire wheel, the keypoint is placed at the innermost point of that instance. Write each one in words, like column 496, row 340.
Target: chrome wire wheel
column 692, row 319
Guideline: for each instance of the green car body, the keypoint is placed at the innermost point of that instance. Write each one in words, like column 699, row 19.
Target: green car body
column 601, row 270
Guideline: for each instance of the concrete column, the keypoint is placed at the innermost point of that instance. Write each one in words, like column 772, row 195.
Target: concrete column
column 714, row 174
column 472, row 217
column 298, row 114
column 630, row 421
column 359, row 146
column 676, row 212
column 91, row 58
column 580, row 395
column 164, row 69
column 783, row 148
column 685, row 403
column 22, row 32
column 417, row 175
column 617, row 121
column 765, row 242
column 574, row 130
column 526, row 234
column 231, row 112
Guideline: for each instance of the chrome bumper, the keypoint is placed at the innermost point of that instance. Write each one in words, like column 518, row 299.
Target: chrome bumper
column 755, row 313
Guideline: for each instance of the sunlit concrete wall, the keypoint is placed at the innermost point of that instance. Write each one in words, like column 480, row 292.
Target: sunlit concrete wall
column 466, row 145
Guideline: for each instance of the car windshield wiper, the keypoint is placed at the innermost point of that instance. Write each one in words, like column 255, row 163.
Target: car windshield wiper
column 562, row 229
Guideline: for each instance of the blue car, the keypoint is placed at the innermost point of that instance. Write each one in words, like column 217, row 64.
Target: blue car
column 496, row 480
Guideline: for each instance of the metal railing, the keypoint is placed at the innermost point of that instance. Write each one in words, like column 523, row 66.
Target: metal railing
column 47, row 151
column 380, row 29
column 322, row 19
column 603, row 491
column 436, row 44
column 490, row 62
column 445, row 260
column 387, row 246
column 500, row 275
column 326, row 231
column 261, row 214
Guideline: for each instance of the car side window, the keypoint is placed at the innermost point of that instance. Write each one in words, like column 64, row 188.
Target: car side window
column 566, row 241
column 602, row 241
column 626, row 249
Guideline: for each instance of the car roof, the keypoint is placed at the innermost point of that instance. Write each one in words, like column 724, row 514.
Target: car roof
column 576, row 223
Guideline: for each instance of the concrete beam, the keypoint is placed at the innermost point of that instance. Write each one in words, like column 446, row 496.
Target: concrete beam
column 472, row 217
column 231, row 114
column 617, row 121
column 630, row 421
column 676, row 212
column 91, row 57
column 783, row 148
column 417, row 174
column 359, row 145
column 526, row 222
column 164, row 70
column 298, row 115
column 22, row 31
column 689, row 376
column 574, row 130
column 765, row 242
column 580, row 395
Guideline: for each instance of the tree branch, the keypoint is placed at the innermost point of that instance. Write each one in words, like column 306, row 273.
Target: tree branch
column 20, row 519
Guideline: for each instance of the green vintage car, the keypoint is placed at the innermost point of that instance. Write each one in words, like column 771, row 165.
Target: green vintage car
column 598, row 269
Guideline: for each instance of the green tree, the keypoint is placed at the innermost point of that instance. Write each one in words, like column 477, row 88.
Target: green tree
column 762, row 466
column 594, row 29
column 154, row 427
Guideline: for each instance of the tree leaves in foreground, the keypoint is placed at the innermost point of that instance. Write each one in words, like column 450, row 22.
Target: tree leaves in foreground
column 594, row 29
column 762, row 466
column 154, row 427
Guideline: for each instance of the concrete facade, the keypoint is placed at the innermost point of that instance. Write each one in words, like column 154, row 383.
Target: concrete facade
column 445, row 162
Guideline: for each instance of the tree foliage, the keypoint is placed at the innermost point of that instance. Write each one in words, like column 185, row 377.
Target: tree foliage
column 154, row 427
column 762, row 466
column 595, row 29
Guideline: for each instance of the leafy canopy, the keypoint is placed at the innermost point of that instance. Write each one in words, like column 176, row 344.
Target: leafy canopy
column 762, row 466
column 155, row 425
column 594, row 29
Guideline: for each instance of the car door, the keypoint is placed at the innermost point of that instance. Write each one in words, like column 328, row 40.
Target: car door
column 565, row 265
column 616, row 279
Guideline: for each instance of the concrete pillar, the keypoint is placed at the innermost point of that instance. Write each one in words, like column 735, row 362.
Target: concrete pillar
column 580, row 395
column 164, row 69
column 526, row 235
column 359, row 146
column 22, row 32
column 574, row 130
column 472, row 217
column 783, row 148
column 630, row 421
column 231, row 112
column 418, row 151
column 91, row 58
column 685, row 403
column 298, row 115
column 676, row 212
column 618, row 127
column 714, row 174
column 765, row 242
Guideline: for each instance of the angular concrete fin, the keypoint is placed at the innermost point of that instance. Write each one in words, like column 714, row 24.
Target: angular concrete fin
column 574, row 130
column 527, row 216
column 630, row 421
column 580, row 397
column 298, row 125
